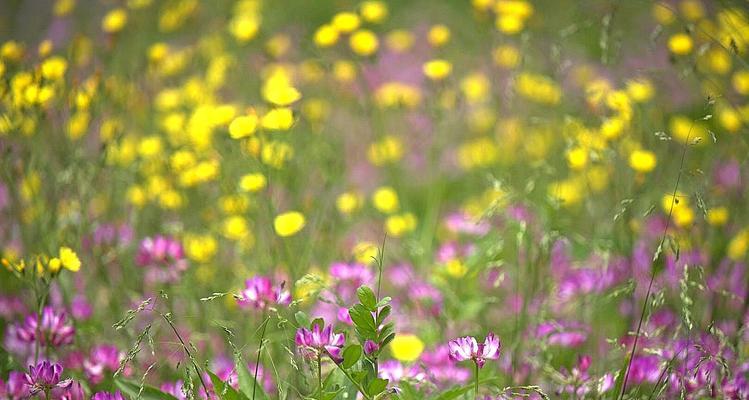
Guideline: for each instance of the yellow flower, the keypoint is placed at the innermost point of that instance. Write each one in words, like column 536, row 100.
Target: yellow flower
column 406, row 347
column 398, row 225
column 663, row 14
column 54, row 68
column 69, row 259
column 346, row 22
column 438, row 35
column 385, row 200
column 683, row 216
column 739, row 245
column 326, row 36
column 509, row 24
column 387, row 150
column 278, row 90
column 740, row 81
column 63, row 7
column 640, row 90
column 244, row 27
column 717, row 216
column 278, row 119
column 253, row 182
column 243, row 126
column 642, row 161
column 235, row 228
column 456, row 268
column 114, row 20
column 506, row 56
column 373, row 11
column 577, row 158
column 364, row 252
column 364, row 42
column 348, row 202
column 437, row 69
column 200, row 248
column 680, row 44
column 288, row 223
column 54, row 265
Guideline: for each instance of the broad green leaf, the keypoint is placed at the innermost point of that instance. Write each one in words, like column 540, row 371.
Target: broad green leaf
column 302, row 319
column 367, row 297
column 247, row 380
column 351, row 355
column 224, row 391
column 132, row 390
column 377, row 386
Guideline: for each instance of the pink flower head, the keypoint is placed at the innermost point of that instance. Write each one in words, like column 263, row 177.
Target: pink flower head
column 108, row 396
column 54, row 329
column 44, row 377
column 103, row 358
column 259, row 293
column 467, row 348
column 315, row 342
column 15, row 388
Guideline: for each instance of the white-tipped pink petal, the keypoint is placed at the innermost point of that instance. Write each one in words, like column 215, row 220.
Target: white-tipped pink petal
column 491, row 347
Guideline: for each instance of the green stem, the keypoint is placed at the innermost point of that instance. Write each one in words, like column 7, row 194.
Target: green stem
column 319, row 375
column 476, row 379
column 257, row 359
column 352, row 380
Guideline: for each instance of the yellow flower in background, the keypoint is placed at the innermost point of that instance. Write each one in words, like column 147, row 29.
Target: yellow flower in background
column 243, row 126
column 235, row 228
column 717, row 216
column 278, row 119
column 680, row 200
column 568, row 192
column 577, row 158
column 346, row 22
column 278, row 90
column 538, row 88
column 364, row 42
column 12, row 50
column 739, row 245
column 364, row 252
column 688, row 131
column 475, row 87
column 348, row 202
column 54, row 68
column 680, row 44
column 663, row 13
column 387, row 150
column 456, row 268
column 437, row 70
column 740, row 82
column 253, row 182
column 200, row 248
column 406, row 347
column 326, row 36
column 399, row 40
column 642, row 161
column 400, row 224
column 289, row 223
column 385, row 200
column 114, row 20
column 640, row 89
column 506, row 56
column 69, row 259
column 692, row 10
column 373, row 11
column 63, row 7
column 244, row 27
column 438, row 35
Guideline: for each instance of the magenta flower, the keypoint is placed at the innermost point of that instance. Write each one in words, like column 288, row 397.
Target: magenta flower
column 15, row 388
column 164, row 256
column 108, row 396
column 370, row 347
column 103, row 358
column 259, row 293
column 318, row 341
column 44, row 377
column 54, row 329
column 467, row 348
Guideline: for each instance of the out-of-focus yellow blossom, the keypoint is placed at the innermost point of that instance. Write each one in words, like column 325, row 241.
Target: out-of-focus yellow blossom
column 243, row 126
column 364, row 42
column 385, row 200
column 344, row 71
column 642, row 161
column 311, row 71
column 44, row 48
column 740, row 82
column 680, row 200
column 477, row 153
column 150, row 146
column 349, row 202
column 114, row 20
column 288, row 223
column 235, row 228
column 683, row 216
column 244, row 27
column 729, row 119
column 136, row 196
column 278, row 45
column 12, row 50
column 182, row 160
column 171, row 200
column 663, row 13
column 373, row 11
column 157, row 52
column 365, row 252
column 577, row 158
column 475, row 87
column 204, row 171
column 406, row 347
column 739, row 245
column 400, row 224
column 326, row 36
column 200, row 248
column 234, row 204
column 568, row 192
column 456, row 268
column 438, row 35
column 175, row 14
column 612, row 128
column 253, row 182
column 346, row 22
column 277, row 89
column 506, row 56
column 716, row 60
column 686, row 130
column 69, row 259
column 63, row 7
column 316, row 110
column 437, row 69
column 509, row 24
column 399, row 40
column 717, row 216
column 387, row 150
column 619, row 102
column 276, row 153
column 538, row 88
column 680, row 44
column 482, row 5
column 392, row 94
column 278, row 119
column 597, row 178
column 78, row 124
column 640, row 89
column 692, row 9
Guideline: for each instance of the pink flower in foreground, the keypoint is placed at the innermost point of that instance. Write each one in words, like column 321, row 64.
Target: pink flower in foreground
column 44, row 377
column 54, row 330
column 259, row 293
column 316, row 342
column 467, row 348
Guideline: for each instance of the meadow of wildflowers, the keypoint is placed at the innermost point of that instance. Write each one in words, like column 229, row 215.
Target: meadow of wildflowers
column 374, row 199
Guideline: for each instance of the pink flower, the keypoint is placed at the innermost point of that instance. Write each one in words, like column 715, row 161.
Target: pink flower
column 467, row 348
column 163, row 256
column 54, row 329
column 44, row 377
column 315, row 342
column 259, row 293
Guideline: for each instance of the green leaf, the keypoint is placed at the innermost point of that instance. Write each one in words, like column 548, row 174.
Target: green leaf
column 351, row 355
column 317, row 321
column 133, row 391
column 384, row 301
column 363, row 320
column 367, row 297
column 224, row 391
column 302, row 319
column 247, row 380
column 377, row 386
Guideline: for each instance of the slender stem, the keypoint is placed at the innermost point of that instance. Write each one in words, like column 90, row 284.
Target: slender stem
column 319, row 375
column 259, row 352
column 476, row 379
